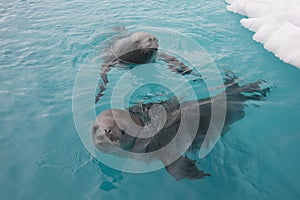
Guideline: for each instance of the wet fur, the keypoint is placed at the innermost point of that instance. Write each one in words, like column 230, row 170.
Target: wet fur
column 237, row 95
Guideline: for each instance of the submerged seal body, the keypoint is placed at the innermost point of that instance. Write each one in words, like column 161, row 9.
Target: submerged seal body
column 120, row 128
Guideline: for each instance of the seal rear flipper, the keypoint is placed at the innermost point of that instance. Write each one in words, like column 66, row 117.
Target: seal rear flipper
column 184, row 167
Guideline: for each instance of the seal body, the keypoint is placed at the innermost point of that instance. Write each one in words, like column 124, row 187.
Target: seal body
column 137, row 48
column 122, row 128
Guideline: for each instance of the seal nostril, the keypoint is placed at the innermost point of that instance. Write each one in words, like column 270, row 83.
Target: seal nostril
column 107, row 131
column 150, row 39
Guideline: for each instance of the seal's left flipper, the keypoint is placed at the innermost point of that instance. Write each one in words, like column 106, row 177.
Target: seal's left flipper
column 176, row 65
column 184, row 167
column 105, row 68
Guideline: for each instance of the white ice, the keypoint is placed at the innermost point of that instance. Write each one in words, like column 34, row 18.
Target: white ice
column 276, row 23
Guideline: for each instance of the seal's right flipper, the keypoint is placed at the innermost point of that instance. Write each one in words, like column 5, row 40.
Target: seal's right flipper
column 184, row 167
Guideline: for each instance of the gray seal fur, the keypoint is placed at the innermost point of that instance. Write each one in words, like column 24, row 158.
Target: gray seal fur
column 111, row 131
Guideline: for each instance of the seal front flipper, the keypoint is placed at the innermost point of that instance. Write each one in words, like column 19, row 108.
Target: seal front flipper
column 176, row 65
column 105, row 68
column 184, row 167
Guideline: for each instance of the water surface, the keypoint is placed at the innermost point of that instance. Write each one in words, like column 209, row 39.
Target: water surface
column 43, row 45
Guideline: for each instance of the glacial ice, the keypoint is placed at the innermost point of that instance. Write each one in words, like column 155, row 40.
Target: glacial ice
column 276, row 24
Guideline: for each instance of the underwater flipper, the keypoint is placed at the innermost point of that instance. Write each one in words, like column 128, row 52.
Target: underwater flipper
column 175, row 65
column 184, row 167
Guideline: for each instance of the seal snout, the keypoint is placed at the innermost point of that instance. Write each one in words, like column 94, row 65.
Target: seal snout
column 100, row 135
column 103, row 135
column 152, row 43
column 103, row 141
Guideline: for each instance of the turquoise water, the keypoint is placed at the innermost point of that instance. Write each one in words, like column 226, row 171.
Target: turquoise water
column 44, row 44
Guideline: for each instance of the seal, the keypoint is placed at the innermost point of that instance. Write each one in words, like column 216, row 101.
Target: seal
column 121, row 128
column 138, row 48
column 112, row 126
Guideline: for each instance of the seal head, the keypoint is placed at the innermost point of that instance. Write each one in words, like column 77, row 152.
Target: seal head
column 110, row 130
column 138, row 48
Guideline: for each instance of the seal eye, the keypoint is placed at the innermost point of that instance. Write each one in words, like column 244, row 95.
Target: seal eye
column 95, row 128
